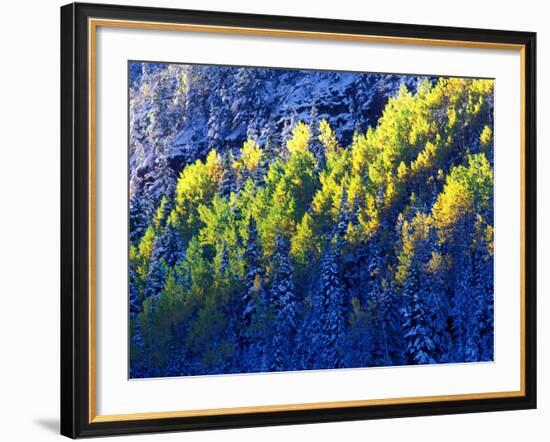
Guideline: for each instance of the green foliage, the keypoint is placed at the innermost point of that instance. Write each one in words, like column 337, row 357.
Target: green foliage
column 197, row 184
column 420, row 180
column 251, row 155
column 305, row 247
column 161, row 215
column 468, row 190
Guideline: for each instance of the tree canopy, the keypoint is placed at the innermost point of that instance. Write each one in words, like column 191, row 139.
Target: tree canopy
column 306, row 253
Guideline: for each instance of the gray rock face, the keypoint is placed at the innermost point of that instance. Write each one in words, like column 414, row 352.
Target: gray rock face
column 179, row 112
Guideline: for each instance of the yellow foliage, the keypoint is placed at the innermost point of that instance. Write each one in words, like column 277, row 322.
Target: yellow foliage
column 402, row 171
column 133, row 253
column 326, row 202
column 391, row 189
column 251, row 155
column 213, row 166
column 425, row 158
column 303, row 247
column 481, row 86
column 356, row 189
column 328, row 138
column 486, row 136
column 368, row 216
column 159, row 215
column 360, row 154
column 489, row 239
column 466, row 189
column 451, row 114
column 419, row 128
column 300, row 138
column 413, row 235
column 146, row 243
column 197, row 184
column 454, row 202
column 173, row 218
column 437, row 263
column 476, row 92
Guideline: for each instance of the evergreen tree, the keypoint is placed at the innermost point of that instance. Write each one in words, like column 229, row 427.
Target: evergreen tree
column 252, row 339
column 172, row 244
column 220, row 119
column 315, row 145
column 332, row 319
column 254, row 276
column 155, row 277
column 163, row 181
column 248, row 104
column 229, row 180
column 284, row 304
column 139, row 216
column 224, row 263
column 135, row 298
column 252, row 131
column 417, row 336
column 286, row 134
column 295, row 250
column 271, row 143
column 379, row 298
column 484, row 314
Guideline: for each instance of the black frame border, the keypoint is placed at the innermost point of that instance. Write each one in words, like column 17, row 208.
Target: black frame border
column 75, row 220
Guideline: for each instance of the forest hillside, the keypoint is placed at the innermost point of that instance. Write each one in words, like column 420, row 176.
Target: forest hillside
column 295, row 220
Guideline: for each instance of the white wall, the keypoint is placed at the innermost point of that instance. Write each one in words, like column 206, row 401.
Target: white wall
column 29, row 190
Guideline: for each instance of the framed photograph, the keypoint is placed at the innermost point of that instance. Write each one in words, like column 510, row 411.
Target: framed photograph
column 275, row 220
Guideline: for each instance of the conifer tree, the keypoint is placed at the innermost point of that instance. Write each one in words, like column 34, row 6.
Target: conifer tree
column 157, row 269
column 315, row 145
column 419, row 344
column 332, row 319
column 252, row 339
column 135, row 296
column 254, row 276
column 484, row 280
column 229, row 180
column 301, row 251
column 173, row 246
column 284, row 303
column 219, row 123
column 224, row 262
column 271, row 143
column 139, row 216
column 286, row 133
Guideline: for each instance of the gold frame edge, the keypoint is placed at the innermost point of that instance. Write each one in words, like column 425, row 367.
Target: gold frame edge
column 93, row 23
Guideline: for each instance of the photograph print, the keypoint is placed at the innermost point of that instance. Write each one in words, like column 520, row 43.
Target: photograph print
column 291, row 219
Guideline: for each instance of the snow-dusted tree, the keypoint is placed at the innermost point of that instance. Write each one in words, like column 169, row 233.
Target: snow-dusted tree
column 315, row 145
column 139, row 216
column 219, row 120
column 248, row 98
column 367, row 105
column 484, row 283
column 135, row 295
column 332, row 319
column 173, row 247
column 284, row 304
column 229, row 179
column 253, row 306
column 156, row 274
column 289, row 123
column 418, row 245
column 271, row 143
column 255, row 291
column 417, row 331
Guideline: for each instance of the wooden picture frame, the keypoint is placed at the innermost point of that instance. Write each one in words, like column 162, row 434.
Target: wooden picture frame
column 79, row 23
